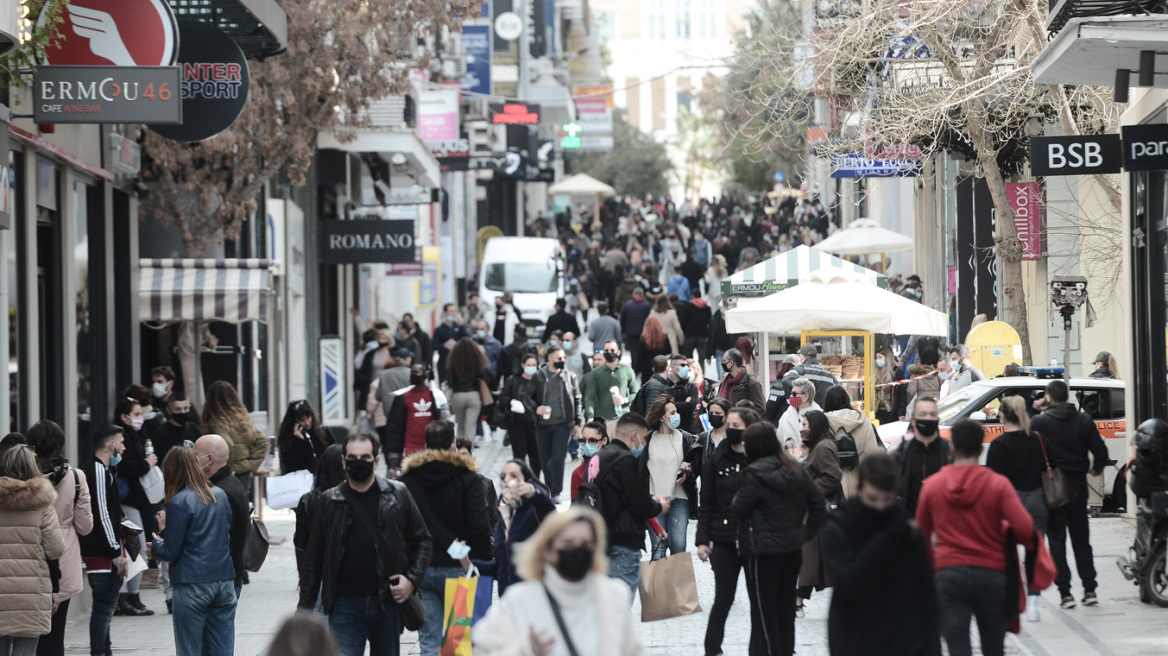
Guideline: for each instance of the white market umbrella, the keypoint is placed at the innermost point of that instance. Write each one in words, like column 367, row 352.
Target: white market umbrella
column 865, row 237
column 836, row 300
column 581, row 184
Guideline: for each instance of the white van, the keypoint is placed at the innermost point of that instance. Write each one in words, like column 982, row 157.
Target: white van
column 531, row 268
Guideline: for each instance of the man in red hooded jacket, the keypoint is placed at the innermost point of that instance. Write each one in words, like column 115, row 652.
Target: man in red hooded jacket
column 962, row 507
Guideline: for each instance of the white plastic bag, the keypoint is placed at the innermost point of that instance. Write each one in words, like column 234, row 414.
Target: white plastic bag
column 153, row 485
column 285, row 491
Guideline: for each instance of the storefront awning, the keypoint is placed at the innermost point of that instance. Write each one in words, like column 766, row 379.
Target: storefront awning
column 790, row 269
column 233, row 290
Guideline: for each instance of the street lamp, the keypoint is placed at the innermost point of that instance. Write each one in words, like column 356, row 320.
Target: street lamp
column 1067, row 293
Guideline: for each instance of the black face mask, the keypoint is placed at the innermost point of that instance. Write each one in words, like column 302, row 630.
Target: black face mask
column 416, row 380
column 734, row 435
column 574, row 563
column 553, row 366
column 927, row 427
column 716, row 421
column 727, row 366
column 611, row 357
column 180, row 418
column 359, row 470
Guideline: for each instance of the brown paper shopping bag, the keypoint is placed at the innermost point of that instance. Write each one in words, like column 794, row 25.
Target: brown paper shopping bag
column 668, row 588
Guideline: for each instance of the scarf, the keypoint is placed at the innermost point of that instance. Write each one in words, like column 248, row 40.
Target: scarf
column 728, row 384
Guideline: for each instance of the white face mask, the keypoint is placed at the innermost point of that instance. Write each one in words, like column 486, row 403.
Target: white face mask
column 160, row 389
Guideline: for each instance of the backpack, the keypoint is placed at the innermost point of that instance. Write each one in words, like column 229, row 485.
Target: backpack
column 849, row 456
column 589, row 495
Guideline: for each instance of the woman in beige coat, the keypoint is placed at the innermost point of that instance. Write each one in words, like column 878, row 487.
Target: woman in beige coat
column 30, row 536
column 226, row 416
column 47, row 439
column 663, row 311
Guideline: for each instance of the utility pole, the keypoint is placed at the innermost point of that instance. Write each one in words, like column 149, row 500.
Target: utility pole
column 524, row 51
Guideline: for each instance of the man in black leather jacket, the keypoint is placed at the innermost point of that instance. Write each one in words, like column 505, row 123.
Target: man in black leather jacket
column 361, row 585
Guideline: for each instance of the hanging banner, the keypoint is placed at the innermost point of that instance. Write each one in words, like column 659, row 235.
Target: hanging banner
column 1026, row 201
column 477, row 41
column 438, row 114
column 332, row 380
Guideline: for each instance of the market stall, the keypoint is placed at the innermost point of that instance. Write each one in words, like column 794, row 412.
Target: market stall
column 865, row 237
column 834, row 308
column 789, row 269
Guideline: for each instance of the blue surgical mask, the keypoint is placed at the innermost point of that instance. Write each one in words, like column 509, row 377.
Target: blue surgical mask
column 480, row 335
column 637, row 451
column 451, row 319
column 589, row 450
column 553, row 343
column 567, row 345
column 530, row 371
column 944, row 375
column 683, row 373
column 115, row 458
column 880, row 362
column 674, row 421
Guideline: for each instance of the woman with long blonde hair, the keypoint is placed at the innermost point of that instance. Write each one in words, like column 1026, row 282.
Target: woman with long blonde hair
column 197, row 526
column 566, row 604
column 225, row 415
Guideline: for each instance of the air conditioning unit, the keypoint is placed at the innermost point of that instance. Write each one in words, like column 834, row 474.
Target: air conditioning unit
column 125, row 156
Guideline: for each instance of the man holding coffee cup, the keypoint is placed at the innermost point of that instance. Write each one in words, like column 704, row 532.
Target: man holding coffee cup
column 559, row 415
column 610, row 388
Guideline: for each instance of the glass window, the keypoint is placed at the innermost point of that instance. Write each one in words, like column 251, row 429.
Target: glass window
column 1101, row 403
column 81, row 266
column 952, row 407
column 521, row 277
column 657, row 19
column 707, row 19
column 681, row 19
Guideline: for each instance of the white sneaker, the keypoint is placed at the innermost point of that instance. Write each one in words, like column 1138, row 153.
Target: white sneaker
column 1032, row 608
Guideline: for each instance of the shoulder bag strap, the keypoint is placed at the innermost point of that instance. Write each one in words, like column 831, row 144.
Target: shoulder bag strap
column 1045, row 458
column 76, row 486
column 560, row 621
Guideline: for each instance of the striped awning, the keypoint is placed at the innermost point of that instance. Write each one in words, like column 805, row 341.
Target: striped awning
column 790, row 269
column 233, row 290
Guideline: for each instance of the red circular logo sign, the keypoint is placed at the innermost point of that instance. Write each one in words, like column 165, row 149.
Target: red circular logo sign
column 115, row 32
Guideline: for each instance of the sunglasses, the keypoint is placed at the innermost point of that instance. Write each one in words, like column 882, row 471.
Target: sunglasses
column 592, row 440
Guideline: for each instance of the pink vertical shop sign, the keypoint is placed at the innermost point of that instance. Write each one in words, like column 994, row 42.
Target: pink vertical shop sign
column 1026, row 201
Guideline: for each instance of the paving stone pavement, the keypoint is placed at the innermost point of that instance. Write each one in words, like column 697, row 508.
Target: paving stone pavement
column 1120, row 626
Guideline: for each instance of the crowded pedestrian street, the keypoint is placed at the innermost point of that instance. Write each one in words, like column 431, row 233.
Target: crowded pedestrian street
column 584, row 328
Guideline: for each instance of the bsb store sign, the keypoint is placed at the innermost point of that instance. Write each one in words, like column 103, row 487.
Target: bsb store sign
column 1143, row 148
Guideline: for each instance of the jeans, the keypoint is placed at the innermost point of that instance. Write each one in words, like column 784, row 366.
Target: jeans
column 624, row 563
column 18, row 646
column 524, row 445
column 357, row 620
column 204, row 618
column 675, row 522
column 466, row 408
column 53, row 642
column 972, row 591
column 433, row 593
column 105, row 587
column 726, row 563
column 1072, row 518
column 770, row 582
column 552, row 442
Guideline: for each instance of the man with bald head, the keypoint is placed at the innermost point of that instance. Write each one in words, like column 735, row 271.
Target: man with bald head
column 212, row 453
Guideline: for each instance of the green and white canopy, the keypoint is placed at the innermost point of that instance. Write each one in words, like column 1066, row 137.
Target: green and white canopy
column 790, row 269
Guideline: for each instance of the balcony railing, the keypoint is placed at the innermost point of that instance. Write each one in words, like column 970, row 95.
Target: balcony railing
column 1062, row 11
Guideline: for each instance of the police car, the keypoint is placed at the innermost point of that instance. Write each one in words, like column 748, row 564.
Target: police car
column 1101, row 398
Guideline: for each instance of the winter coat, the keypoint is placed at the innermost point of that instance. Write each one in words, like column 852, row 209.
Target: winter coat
column 694, row 318
column 722, row 475
column 748, row 388
column 75, row 516
column 820, row 377
column 672, row 326
column 105, row 540
column 525, row 519
column 571, row 396
column 373, row 407
column 776, row 405
column 1017, row 455
column 632, row 317
column 867, row 441
column 680, row 391
column 400, row 524
column 519, row 389
column 561, row 321
column 647, row 395
column 452, row 501
column 823, row 466
column 298, row 453
column 929, row 386
column 1070, row 436
column 625, row 493
column 791, row 425
column 777, row 510
column 133, row 466
column 247, row 450
column 918, row 461
column 878, row 560
column 30, row 536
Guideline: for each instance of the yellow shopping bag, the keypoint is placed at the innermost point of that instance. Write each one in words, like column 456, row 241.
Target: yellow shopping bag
column 459, row 613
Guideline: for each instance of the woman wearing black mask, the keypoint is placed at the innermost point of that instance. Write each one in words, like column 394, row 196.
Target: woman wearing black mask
column 710, row 439
column 717, row 526
column 566, row 604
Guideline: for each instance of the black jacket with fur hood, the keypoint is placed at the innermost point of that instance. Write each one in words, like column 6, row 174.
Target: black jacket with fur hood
column 453, row 502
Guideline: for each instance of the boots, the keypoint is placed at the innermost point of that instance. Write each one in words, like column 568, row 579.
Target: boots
column 131, row 605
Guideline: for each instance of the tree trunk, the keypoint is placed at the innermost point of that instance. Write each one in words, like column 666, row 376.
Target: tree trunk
column 1009, row 247
column 188, row 354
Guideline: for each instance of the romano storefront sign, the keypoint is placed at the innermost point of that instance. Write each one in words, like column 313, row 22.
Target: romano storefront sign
column 107, row 94
column 364, row 241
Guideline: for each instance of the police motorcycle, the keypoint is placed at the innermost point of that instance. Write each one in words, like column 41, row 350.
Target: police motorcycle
column 1146, row 563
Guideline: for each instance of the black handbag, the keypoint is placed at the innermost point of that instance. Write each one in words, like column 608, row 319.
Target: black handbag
column 1055, row 488
column 413, row 615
